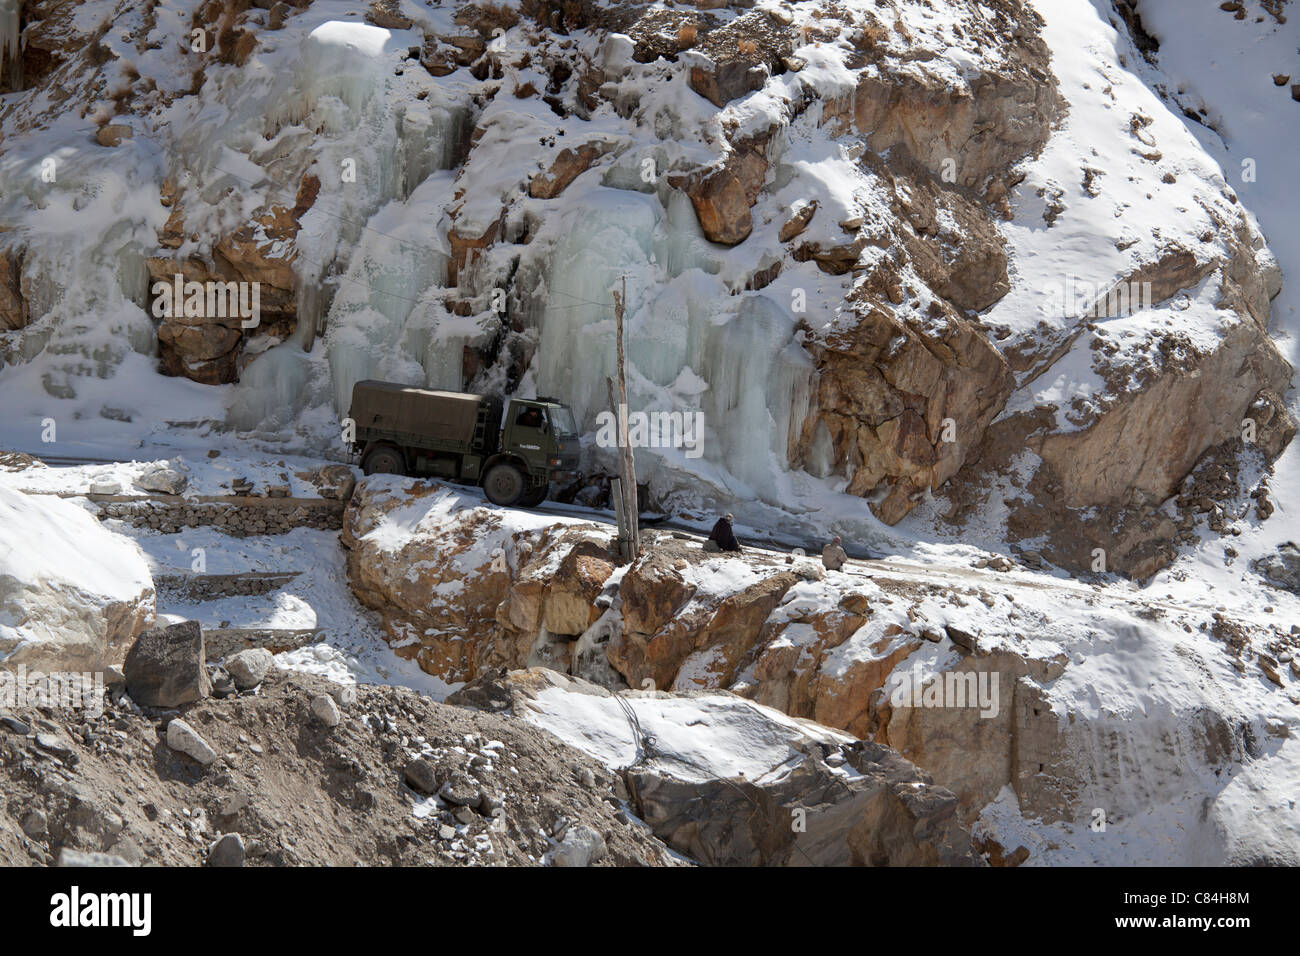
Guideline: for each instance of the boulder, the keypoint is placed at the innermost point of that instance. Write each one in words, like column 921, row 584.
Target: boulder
column 461, row 790
column 1281, row 569
column 387, row 14
column 334, row 482
column 228, row 851
column 249, row 667
column 581, row 846
column 163, row 481
column 568, row 166
column 345, row 695
column 73, row 595
column 112, row 134
column 185, row 739
column 421, row 775
column 721, row 207
column 798, row 222
column 166, row 666
column 836, row 801
column 325, row 710
column 720, row 83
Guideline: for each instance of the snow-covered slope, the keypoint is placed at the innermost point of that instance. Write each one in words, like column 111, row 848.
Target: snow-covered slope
column 72, row 594
column 864, row 242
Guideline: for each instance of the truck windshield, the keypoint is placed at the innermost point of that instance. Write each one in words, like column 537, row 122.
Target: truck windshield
column 562, row 420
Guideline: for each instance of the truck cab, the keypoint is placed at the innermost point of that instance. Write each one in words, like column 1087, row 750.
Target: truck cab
column 513, row 454
column 540, row 439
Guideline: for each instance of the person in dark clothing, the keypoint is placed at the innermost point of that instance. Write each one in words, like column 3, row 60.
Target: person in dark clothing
column 722, row 537
column 530, row 417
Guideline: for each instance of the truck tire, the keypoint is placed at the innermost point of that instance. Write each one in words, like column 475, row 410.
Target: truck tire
column 504, row 484
column 535, row 497
column 384, row 460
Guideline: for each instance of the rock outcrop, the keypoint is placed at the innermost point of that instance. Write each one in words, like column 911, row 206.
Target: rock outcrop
column 1104, row 467
column 802, row 795
column 73, row 595
column 983, row 681
column 15, row 288
column 463, row 595
column 203, row 343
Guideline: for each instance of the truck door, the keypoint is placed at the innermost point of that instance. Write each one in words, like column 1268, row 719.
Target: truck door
column 528, row 434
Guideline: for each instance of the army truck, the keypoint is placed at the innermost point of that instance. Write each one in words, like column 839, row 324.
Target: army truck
column 402, row 430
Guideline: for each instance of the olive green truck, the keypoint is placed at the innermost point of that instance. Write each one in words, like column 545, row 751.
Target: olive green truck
column 403, row 430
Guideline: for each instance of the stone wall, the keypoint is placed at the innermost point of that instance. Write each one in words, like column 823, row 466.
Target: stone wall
column 208, row 587
column 237, row 516
column 221, row 642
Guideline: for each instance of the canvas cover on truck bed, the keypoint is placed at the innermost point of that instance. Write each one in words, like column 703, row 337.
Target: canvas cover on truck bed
column 444, row 416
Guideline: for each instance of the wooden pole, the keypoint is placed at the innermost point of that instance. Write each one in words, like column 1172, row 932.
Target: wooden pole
column 627, row 463
column 617, row 497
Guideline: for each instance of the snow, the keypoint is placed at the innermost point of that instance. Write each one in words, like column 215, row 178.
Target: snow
column 205, row 476
column 351, row 646
column 49, row 541
column 61, row 575
column 329, row 90
column 696, row 739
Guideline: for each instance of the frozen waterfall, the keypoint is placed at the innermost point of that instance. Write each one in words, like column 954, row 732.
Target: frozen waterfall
column 692, row 346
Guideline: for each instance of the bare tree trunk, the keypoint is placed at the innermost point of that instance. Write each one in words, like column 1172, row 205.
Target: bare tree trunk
column 627, row 464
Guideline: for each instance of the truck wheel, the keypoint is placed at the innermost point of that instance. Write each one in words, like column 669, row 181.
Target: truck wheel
column 535, row 497
column 504, row 484
column 384, row 461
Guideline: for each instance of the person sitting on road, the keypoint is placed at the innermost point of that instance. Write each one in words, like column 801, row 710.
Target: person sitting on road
column 833, row 556
column 722, row 538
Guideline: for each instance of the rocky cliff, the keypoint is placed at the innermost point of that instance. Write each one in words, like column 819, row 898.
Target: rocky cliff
column 836, row 223
column 986, row 677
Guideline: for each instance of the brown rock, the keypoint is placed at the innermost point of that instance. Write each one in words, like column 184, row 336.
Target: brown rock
column 723, row 630
column 965, row 261
column 112, row 134
column 570, row 606
column 797, row 223
column 388, row 14
column 722, row 208
column 884, row 392
column 976, row 133
column 567, row 167
column 14, row 289
column 722, row 83
column 468, row 618
column 653, row 592
column 467, row 243
column 206, row 347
